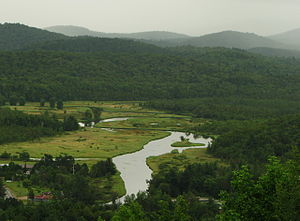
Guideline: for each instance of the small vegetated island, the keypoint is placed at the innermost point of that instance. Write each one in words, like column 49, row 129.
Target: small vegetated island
column 186, row 143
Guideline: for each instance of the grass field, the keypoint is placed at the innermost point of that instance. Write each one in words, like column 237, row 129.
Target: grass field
column 179, row 160
column 92, row 143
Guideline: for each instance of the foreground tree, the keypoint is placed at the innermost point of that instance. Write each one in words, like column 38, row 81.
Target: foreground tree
column 273, row 196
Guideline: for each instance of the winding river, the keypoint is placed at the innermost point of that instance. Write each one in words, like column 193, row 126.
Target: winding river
column 133, row 168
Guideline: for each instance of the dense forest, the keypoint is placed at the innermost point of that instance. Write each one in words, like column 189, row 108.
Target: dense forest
column 217, row 74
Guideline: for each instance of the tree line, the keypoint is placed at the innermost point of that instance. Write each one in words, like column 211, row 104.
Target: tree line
column 16, row 126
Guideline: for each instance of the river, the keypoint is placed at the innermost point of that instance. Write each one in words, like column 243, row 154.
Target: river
column 133, row 168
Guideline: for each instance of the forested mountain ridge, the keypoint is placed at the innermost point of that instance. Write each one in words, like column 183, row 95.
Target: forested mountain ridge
column 16, row 36
column 228, row 39
column 126, row 76
column 275, row 52
column 93, row 44
column 73, row 31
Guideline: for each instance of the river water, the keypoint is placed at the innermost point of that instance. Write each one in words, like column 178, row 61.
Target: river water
column 133, row 167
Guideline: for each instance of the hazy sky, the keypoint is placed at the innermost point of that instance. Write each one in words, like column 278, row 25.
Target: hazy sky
column 194, row 17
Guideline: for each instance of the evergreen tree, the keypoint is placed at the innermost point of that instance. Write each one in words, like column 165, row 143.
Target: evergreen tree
column 60, row 105
column 22, row 101
column 2, row 101
column 13, row 100
column 70, row 123
column 42, row 102
column 52, row 102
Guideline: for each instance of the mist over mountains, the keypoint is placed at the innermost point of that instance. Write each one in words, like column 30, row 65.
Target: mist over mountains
column 230, row 39
column 80, row 39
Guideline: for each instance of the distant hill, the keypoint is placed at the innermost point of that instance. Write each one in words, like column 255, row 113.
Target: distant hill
column 93, row 44
column 16, row 36
column 70, row 30
column 290, row 37
column 276, row 52
column 228, row 39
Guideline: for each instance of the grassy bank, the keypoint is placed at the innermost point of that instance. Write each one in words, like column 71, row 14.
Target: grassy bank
column 179, row 160
column 186, row 143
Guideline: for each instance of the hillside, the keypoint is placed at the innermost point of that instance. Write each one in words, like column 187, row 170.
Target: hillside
column 70, row 30
column 16, row 36
column 129, row 76
column 228, row 39
column 94, row 44
column 290, row 37
column 275, row 52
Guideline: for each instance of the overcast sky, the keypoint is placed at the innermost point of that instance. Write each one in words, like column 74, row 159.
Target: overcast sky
column 193, row 17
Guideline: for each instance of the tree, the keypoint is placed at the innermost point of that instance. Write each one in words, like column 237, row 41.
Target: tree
column 96, row 113
column 60, row 105
column 24, row 156
column 2, row 189
column 88, row 117
column 103, row 168
column 22, row 101
column 30, row 194
column 131, row 211
column 52, row 102
column 274, row 196
column 13, row 100
column 42, row 102
column 2, row 101
column 70, row 123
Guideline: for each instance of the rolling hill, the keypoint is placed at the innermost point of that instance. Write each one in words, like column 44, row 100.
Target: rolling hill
column 94, row 44
column 16, row 36
column 290, row 37
column 228, row 39
column 275, row 52
column 73, row 31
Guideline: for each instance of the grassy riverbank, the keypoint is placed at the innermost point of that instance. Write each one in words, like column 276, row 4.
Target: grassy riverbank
column 186, row 143
column 179, row 160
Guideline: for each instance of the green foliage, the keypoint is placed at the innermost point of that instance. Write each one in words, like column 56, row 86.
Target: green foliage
column 254, row 141
column 24, row 156
column 130, row 212
column 60, row 105
column 16, row 36
column 274, row 196
column 201, row 179
column 213, row 76
column 16, row 126
column 103, row 168
column 2, row 189
column 30, row 194
column 13, row 100
column 22, row 101
column 70, row 123
column 42, row 102
column 52, row 102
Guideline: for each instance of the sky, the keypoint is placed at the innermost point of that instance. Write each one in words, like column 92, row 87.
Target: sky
column 192, row 17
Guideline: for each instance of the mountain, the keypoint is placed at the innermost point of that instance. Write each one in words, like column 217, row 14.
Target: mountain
column 275, row 52
column 94, row 44
column 70, row 30
column 228, row 39
column 217, row 73
column 290, row 37
column 16, row 36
